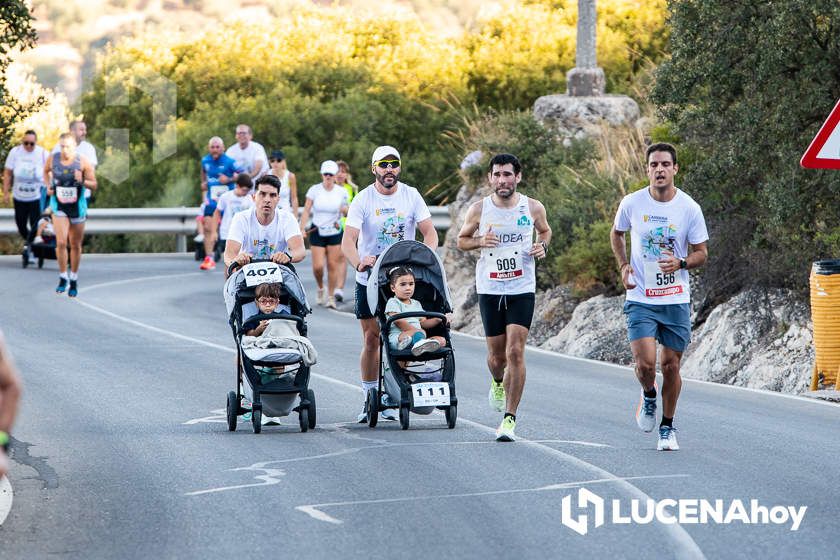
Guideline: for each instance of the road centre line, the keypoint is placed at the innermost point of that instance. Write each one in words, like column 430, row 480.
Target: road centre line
column 6, row 498
column 685, row 547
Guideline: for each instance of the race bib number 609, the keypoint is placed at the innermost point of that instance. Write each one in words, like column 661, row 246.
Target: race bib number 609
column 504, row 263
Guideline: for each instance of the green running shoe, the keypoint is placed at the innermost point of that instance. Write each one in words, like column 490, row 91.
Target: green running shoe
column 497, row 396
column 505, row 431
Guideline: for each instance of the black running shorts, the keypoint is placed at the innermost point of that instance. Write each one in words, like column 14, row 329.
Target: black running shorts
column 497, row 312
column 318, row 240
column 362, row 309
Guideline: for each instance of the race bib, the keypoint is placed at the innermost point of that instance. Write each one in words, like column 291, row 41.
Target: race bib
column 504, row 263
column 659, row 284
column 262, row 273
column 217, row 190
column 430, row 394
column 67, row 195
column 327, row 230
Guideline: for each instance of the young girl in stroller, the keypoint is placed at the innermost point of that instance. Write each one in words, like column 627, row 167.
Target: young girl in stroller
column 410, row 331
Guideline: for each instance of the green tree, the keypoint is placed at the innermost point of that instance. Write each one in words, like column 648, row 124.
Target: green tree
column 16, row 33
column 746, row 87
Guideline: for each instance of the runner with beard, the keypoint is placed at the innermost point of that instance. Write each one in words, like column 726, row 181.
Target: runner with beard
column 503, row 226
column 380, row 215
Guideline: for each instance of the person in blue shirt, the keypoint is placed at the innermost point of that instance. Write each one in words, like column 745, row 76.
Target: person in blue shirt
column 218, row 175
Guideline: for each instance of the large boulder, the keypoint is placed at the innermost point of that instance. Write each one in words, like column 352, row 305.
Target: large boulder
column 760, row 339
column 597, row 330
column 583, row 117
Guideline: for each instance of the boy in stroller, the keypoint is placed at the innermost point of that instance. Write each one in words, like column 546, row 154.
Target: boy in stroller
column 411, row 331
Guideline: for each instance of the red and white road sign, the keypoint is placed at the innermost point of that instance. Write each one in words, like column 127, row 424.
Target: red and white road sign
column 824, row 151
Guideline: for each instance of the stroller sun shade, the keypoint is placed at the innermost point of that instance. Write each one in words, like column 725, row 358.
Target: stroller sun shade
column 423, row 261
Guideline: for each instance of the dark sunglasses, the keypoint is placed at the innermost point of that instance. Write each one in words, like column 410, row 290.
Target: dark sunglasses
column 328, row 174
column 28, row 143
column 386, row 163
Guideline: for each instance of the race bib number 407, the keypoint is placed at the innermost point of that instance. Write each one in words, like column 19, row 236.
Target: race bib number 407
column 504, row 263
column 660, row 284
column 262, row 273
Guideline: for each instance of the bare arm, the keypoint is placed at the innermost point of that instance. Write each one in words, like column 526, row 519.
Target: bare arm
column 540, row 248
column 293, row 191
column 297, row 249
column 7, row 183
column 619, row 248
column 232, row 253
column 88, row 174
column 48, row 175
column 203, row 183
column 467, row 240
column 10, row 389
column 304, row 217
column 430, row 236
column 348, row 246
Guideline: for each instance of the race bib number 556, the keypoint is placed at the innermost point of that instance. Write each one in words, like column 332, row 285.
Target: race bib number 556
column 659, row 284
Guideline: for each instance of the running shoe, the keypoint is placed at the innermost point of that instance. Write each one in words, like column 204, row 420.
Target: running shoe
column 388, row 414
column 404, row 343
column 199, row 238
column 497, row 395
column 74, row 289
column 425, row 345
column 362, row 418
column 331, row 303
column 646, row 413
column 62, row 285
column 322, row 297
column 339, row 295
column 667, row 439
column 506, row 428
column 208, row 263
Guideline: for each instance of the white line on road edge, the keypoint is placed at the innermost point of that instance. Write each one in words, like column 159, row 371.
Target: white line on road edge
column 6, row 497
column 141, row 279
column 685, row 545
column 314, row 510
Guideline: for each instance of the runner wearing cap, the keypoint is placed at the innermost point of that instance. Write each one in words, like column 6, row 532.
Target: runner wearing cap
column 385, row 212
column 326, row 202
column 505, row 279
column 288, row 182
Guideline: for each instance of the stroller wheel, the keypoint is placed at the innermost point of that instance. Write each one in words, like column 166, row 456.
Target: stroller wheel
column 404, row 416
column 232, row 409
column 303, row 417
column 373, row 407
column 256, row 418
column 310, row 394
column 451, row 413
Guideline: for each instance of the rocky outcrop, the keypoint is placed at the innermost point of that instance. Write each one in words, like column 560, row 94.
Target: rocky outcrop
column 596, row 330
column 580, row 117
column 759, row 339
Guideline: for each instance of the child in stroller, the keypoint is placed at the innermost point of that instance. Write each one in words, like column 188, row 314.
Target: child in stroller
column 43, row 242
column 420, row 378
column 411, row 331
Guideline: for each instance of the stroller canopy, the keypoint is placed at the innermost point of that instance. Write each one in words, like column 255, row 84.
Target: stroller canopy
column 423, row 261
column 291, row 284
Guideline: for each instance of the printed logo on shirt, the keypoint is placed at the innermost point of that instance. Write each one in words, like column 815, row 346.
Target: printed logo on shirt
column 511, row 237
column 263, row 249
column 524, row 221
column 656, row 219
column 657, row 240
column 385, row 211
column 393, row 230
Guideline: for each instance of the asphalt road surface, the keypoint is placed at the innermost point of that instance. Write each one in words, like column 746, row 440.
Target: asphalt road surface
column 121, row 448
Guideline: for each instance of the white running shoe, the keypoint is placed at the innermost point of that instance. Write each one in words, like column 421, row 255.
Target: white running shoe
column 506, row 428
column 322, row 297
column 425, row 345
column 667, row 439
column 404, row 343
column 496, row 397
column 388, row 414
column 331, row 303
column 362, row 418
column 199, row 238
column 646, row 413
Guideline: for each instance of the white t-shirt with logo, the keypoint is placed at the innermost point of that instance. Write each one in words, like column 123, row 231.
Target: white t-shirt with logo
column 27, row 171
column 326, row 208
column 229, row 205
column 259, row 241
column 382, row 220
column 246, row 158
column 655, row 228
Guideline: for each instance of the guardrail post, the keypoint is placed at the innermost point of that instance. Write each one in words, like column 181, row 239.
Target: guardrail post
column 181, row 243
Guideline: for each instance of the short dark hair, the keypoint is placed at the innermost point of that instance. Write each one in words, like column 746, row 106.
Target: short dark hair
column 243, row 180
column 277, row 155
column 504, row 159
column 398, row 271
column 32, row 132
column 270, row 180
column 271, row 289
column 662, row 147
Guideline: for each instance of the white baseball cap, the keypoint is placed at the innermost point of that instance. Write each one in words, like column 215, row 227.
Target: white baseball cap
column 330, row 167
column 382, row 152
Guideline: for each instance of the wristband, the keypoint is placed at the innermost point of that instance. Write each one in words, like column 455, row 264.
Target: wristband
column 4, row 441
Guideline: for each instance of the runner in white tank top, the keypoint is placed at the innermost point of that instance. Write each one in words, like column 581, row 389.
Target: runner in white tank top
column 502, row 225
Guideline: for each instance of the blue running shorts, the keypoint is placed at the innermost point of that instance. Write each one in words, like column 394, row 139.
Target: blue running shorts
column 670, row 324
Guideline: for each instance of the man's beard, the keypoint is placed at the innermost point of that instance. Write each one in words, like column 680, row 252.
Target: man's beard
column 381, row 179
column 510, row 192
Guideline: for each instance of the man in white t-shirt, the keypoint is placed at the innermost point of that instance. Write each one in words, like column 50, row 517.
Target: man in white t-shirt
column 233, row 202
column 84, row 148
column 668, row 237
column 23, row 178
column 264, row 231
column 385, row 212
column 249, row 155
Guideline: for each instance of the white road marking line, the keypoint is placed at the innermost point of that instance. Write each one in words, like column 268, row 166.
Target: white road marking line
column 314, row 510
column 6, row 498
column 138, row 279
column 269, row 478
column 685, row 545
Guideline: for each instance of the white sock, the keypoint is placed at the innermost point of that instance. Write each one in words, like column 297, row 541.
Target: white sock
column 63, row 275
column 368, row 385
column 74, row 276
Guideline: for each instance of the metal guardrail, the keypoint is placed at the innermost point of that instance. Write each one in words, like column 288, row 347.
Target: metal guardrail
column 178, row 221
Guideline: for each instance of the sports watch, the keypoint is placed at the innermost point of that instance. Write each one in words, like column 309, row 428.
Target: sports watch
column 683, row 264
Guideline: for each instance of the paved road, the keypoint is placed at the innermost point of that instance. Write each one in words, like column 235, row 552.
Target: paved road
column 121, row 450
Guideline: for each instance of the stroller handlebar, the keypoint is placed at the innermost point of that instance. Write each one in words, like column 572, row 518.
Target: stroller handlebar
column 268, row 316
column 410, row 314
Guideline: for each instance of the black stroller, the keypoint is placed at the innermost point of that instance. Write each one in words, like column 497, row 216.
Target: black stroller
column 427, row 381
column 41, row 250
column 273, row 395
